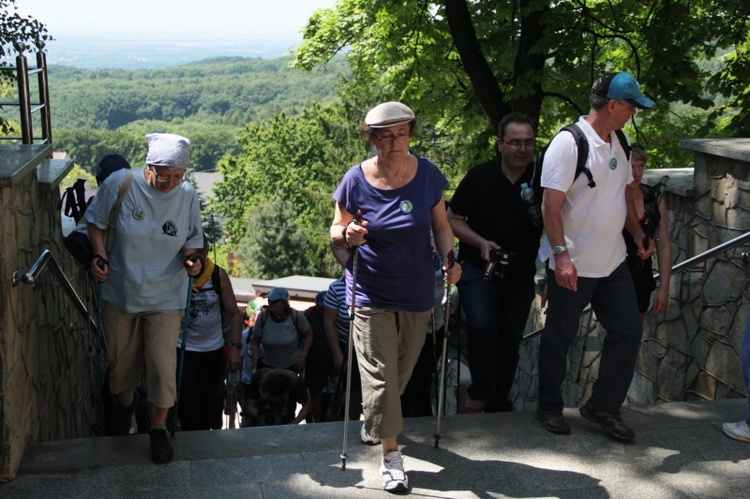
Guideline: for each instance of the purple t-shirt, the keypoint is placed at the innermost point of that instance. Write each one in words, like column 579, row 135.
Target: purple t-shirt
column 395, row 268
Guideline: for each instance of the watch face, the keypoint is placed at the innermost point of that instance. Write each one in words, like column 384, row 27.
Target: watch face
column 558, row 249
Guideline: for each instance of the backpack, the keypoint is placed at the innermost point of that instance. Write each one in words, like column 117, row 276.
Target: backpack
column 583, row 155
column 216, row 284
column 263, row 318
column 78, row 242
column 74, row 200
column 652, row 215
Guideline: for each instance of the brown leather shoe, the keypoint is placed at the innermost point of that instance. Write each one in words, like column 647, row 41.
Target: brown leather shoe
column 611, row 422
column 553, row 422
column 473, row 406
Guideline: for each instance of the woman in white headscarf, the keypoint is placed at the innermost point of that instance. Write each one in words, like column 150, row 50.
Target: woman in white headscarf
column 157, row 233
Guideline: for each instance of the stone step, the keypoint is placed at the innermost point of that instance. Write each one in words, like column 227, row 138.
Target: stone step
column 680, row 451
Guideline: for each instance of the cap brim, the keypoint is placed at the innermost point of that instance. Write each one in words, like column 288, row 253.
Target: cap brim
column 643, row 102
column 391, row 123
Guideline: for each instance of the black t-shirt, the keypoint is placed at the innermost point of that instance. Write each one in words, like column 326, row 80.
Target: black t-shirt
column 286, row 407
column 320, row 353
column 495, row 210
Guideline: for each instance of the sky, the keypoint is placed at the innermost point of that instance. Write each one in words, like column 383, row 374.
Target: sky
column 156, row 18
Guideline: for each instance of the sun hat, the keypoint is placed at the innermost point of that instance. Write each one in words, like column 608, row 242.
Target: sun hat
column 167, row 149
column 621, row 86
column 389, row 114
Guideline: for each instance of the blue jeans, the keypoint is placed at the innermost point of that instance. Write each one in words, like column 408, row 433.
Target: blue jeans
column 496, row 315
column 745, row 354
column 613, row 300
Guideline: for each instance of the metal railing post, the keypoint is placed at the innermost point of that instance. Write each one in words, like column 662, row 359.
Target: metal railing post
column 46, row 117
column 24, row 99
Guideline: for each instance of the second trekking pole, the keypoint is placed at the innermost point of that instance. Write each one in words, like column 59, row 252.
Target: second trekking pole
column 185, row 323
column 441, row 387
column 101, row 262
column 350, row 346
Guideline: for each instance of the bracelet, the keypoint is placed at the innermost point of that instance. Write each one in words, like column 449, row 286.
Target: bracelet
column 235, row 345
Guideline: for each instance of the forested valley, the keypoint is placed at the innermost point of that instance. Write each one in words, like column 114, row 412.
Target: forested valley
column 282, row 138
column 99, row 111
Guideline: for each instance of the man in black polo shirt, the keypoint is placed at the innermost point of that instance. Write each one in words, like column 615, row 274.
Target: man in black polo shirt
column 499, row 236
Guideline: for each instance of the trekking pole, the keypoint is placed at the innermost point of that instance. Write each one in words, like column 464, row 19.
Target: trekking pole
column 433, row 383
column 185, row 323
column 441, row 387
column 101, row 262
column 350, row 348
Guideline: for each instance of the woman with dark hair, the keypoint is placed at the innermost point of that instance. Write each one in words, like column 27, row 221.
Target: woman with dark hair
column 202, row 384
column 400, row 198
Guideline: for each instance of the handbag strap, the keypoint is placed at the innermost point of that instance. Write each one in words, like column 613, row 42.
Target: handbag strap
column 109, row 234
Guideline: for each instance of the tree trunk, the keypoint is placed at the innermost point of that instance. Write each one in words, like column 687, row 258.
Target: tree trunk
column 475, row 64
column 530, row 66
column 483, row 80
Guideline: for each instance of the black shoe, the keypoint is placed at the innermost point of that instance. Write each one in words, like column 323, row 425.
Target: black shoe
column 161, row 450
column 122, row 418
column 610, row 422
column 553, row 422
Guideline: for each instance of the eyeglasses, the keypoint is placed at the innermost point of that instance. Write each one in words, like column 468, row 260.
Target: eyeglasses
column 163, row 179
column 518, row 144
column 392, row 138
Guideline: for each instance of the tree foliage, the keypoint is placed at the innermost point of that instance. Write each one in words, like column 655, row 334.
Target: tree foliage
column 272, row 247
column 463, row 65
column 298, row 160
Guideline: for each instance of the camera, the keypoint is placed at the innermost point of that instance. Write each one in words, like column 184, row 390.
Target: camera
column 498, row 265
column 270, row 417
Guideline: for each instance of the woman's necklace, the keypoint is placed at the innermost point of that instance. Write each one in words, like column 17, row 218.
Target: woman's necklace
column 382, row 177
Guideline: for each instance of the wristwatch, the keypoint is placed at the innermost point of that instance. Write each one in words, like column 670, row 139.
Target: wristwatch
column 558, row 250
column 236, row 345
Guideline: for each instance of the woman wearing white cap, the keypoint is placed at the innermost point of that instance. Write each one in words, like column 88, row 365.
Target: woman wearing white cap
column 401, row 199
column 158, row 230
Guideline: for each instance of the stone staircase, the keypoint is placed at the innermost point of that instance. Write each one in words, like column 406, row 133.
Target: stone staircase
column 680, row 451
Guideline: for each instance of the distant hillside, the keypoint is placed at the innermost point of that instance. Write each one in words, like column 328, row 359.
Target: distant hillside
column 227, row 90
column 100, row 111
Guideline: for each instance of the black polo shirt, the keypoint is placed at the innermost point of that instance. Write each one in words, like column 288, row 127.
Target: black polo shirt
column 495, row 210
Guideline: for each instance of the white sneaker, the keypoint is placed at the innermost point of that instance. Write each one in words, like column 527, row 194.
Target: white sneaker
column 366, row 438
column 392, row 472
column 738, row 431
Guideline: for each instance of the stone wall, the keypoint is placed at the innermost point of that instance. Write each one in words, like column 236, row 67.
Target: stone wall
column 691, row 352
column 45, row 346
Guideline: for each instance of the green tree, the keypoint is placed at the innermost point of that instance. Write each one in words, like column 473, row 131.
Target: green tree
column 17, row 34
column 273, row 247
column 463, row 65
column 298, row 159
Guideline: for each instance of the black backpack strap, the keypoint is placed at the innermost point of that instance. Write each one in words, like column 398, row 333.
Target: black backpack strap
column 583, row 152
column 216, row 283
column 624, row 143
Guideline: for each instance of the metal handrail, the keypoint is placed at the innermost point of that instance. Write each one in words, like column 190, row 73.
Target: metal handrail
column 32, row 275
column 687, row 264
column 692, row 262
